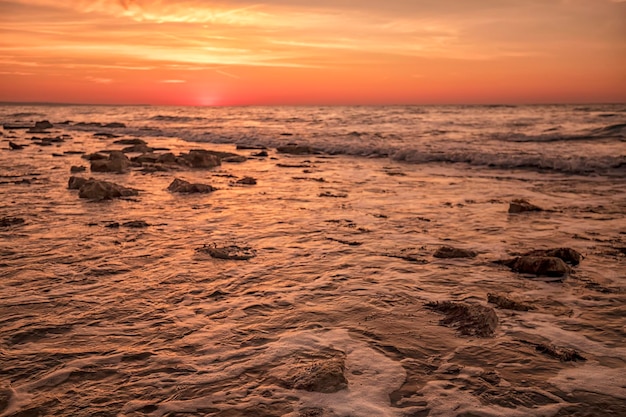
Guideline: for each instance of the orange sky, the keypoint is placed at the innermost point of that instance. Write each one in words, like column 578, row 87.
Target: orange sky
column 195, row 52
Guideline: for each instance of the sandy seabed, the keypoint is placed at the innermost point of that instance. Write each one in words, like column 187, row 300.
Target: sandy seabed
column 330, row 311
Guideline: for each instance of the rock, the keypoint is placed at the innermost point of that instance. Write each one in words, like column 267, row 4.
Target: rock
column 230, row 252
column 326, row 376
column 136, row 224
column 115, row 125
column 261, row 154
column 149, row 157
column 134, row 141
column 113, row 225
column 105, row 135
column 241, row 146
column 116, row 162
column 332, row 195
column 246, row 181
column 75, row 183
column 75, row 169
column 540, row 265
column 507, row 303
column 104, row 190
column 44, row 124
column 450, row 252
column 14, row 146
column 9, row 126
column 201, row 159
column 167, row 158
column 564, row 355
column 468, row 319
column 94, row 156
column 141, row 148
column 294, row 149
column 568, row 255
column 522, row 205
column 10, row 221
column 6, row 393
column 235, row 159
column 182, row 186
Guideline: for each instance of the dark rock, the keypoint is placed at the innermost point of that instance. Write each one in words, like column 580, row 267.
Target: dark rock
column 44, row 124
column 230, row 252
column 248, row 147
column 89, row 124
column 104, row 190
column 564, row 355
column 507, row 303
column 6, row 394
column 468, row 319
column 235, row 159
column 94, row 156
column 136, row 224
column 333, row 195
column 114, row 125
column 134, row 141
column 15, row 146
column 201, row 159
column 9, row 126
column 105, row 135
column 113, row 225
column 182, row 186
column 141, row 148
column 145, row 158
column 167, row 158
column 116, row 162
column 10, row 221
column 75, row 169
column 296, row 149
column 539, row 265
column 247, row 181
column 75, row 183
column 326, row 376
column 568, row 255
column 261, row 154
column 450, row 252
column 521, row 205
column 37, row 130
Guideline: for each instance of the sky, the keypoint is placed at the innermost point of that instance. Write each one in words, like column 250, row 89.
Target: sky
column 322, row 52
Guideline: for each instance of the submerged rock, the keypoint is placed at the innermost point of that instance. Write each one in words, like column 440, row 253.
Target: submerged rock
column 134, row 141
column 468, row 319
column 246, row 181
column 326, row 376
column 198, row 158
column 182, row 186
column 568, row 255
column 140, row 148
column 539, row 265
column 451, row 252
column 75, row 168
column 10, row 221
column 136, row 224
column 43, row 124
column 230, row 252
column 14, row 146
column 522, row 205
column 115, row 125
column 506, row 303
column 294, row 149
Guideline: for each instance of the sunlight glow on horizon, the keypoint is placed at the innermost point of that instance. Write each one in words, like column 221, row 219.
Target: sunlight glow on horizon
column 235, row 52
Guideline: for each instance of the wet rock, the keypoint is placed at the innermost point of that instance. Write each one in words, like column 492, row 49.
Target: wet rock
column 246, row 181
column 261, row 154
column 95, row 156
column 562, row 354
column 235, row 159
column 10, row 221
column 136, row 224
column 326, row 376
column 333, row 195
column 134, row 141
column 568, row 255
column 115, row 125
column 539, row 265
column 104, row 190
column 75, row 183
column 201, row 159
column 75, row 169
column 294, row 149
column 241, row 146
column 105, row 135
column 14, row 146
column 451, row 252
column 149, row 158
column 521, row 206
column 141, row 148
column 15, row 126
column 182, row 186
column 116, row 162
column 468, row 319
column 44, row 124
column 230, row 252
column 506, row 303
column 167, row 158
column 113, row 225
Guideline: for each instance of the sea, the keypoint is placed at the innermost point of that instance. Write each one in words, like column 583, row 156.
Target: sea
column 119, row 307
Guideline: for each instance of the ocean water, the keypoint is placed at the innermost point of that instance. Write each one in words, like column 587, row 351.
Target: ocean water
column 118, row 321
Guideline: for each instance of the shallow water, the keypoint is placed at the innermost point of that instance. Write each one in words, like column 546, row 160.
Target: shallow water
column 101, row 321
